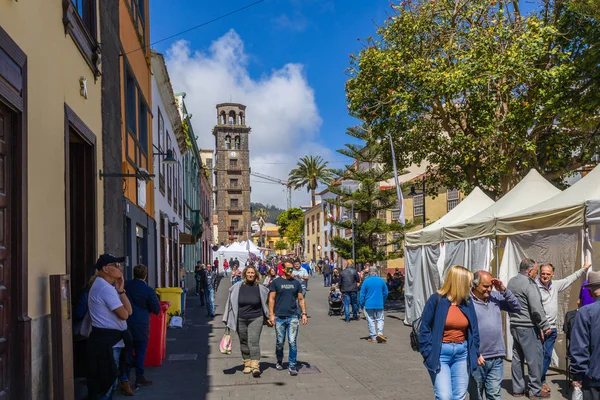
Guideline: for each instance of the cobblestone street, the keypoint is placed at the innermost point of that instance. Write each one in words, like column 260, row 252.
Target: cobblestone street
column 335, row 360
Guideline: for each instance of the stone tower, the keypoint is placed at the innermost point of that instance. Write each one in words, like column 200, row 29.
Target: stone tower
column 232, row 173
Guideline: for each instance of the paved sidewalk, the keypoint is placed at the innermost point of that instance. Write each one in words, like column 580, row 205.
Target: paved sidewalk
column 335, row 360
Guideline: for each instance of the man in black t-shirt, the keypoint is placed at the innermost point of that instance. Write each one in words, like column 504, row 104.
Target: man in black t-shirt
column 284, row 300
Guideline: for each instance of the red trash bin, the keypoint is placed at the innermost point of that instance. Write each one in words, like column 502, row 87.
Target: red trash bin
column 158, row 337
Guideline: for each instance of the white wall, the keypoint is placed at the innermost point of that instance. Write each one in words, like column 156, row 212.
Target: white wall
column 161, row 203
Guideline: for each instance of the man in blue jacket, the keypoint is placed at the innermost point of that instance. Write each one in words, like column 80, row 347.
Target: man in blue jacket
column 143, row 302
column 373, row 293
column 585, row 347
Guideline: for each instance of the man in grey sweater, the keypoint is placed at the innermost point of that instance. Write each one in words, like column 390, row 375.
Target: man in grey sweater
column 527, row 329
column 549, row 290
column 487, row 378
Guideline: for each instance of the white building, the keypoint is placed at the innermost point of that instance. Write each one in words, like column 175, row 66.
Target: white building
column 169, row 143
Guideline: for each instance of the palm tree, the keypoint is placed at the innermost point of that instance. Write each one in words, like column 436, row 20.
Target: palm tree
column 261, row 214
column 311, row 171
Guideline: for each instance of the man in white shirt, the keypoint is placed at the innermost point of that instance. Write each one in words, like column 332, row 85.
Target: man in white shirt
column 300, row 274
column 109, row 309
column 549, row 291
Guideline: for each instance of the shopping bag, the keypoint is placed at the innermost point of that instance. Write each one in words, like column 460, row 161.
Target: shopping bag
column 176, row 322
column 225, row 346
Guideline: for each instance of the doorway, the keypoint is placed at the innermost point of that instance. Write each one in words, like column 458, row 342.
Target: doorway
column 81, row 239
column 8, row 124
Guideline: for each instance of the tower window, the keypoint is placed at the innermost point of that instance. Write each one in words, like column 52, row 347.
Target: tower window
column 231, row 117
column 237, row 142
column 234, row 203
column 222, row 118
column 233, row 163
column 228, row 142
column 235, row 223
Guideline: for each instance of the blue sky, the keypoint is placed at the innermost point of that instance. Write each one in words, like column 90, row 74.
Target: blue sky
column 317, row 35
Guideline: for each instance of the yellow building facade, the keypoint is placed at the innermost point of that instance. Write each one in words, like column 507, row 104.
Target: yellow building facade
column 51, row 198
column 312, row 233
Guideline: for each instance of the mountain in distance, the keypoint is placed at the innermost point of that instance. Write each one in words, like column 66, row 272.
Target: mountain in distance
column 273, row 211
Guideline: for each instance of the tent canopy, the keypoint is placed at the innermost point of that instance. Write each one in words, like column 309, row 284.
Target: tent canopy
column 533, row 189
column 475, row 202
column 564, row 210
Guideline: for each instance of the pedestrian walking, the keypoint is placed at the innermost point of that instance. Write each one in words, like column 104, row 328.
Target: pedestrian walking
column 302, row 275
column 143, row 301
column 335, row 279
column 245, row 313
column 528, row 328
column 487, row 378
column 585, row 347
column 198, row 278
column 284, row 299
column 207, row 288
column 225, row 267
column 549, row 290
column 109, row 309
column 349, row 280
column 326, row 273
column 271, row 276
column 373, row 293
column 449, row 336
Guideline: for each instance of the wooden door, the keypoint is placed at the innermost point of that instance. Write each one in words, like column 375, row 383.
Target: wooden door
column 7, row 131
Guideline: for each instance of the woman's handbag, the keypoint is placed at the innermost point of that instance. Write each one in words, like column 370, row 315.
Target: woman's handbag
column 225, row 346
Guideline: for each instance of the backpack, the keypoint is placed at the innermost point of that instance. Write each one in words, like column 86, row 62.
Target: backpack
column 416, row 329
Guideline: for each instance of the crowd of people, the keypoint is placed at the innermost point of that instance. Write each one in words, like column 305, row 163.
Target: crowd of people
column 461, row 341
column 460, row 336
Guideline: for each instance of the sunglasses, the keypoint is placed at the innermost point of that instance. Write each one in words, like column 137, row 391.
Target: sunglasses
column 289, row 269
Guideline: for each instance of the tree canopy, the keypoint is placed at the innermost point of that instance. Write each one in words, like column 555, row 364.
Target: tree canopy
column 291, row 225
column 310, row 172
column 480, row 92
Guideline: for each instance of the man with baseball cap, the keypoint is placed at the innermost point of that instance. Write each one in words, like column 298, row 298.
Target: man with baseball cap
column 585, row 347
column 109, row 309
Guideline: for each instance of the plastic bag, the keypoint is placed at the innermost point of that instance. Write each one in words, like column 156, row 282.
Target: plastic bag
column 577, row 393
column 176, row 322
column 225, row 346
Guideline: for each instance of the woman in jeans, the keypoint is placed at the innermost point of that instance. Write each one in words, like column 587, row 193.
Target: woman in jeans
column 449, row 337
column 245, row 313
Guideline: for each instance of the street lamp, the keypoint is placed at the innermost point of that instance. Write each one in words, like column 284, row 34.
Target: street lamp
column 413, row 193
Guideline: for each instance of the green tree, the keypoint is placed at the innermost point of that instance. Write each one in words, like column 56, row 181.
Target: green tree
column 261, row 215
column 480, row 92
column 291, row 225
column 309, row 173
column 281, row 245
column 361, row 190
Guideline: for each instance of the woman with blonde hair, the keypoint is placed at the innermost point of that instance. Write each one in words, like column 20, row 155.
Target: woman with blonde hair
column 449, row 337
column 245, row 313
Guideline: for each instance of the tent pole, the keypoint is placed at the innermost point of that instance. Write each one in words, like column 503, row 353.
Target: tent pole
column 496, row 257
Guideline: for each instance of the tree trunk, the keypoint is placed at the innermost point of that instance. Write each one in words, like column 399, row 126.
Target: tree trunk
column 312, row 197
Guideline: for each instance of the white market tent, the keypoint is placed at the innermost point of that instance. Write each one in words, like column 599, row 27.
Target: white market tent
column 234, row 250
column 470, row 242
column 555, row 231
column 424, row 253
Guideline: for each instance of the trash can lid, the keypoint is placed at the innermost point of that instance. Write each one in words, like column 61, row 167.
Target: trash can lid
column 169, row 290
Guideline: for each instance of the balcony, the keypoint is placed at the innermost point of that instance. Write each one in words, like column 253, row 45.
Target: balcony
column 235, row 188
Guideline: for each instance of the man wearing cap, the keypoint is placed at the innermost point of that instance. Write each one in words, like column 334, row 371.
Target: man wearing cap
column 373, row 293
column 549, row 290
column 109, row 308
column 585, row 347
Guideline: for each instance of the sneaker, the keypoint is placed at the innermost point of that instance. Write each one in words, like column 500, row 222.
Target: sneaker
column 371, row 340
column 279, row 366
column 293, row 371
column 381, row 338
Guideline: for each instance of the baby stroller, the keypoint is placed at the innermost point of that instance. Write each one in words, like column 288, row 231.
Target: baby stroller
column 336, row 304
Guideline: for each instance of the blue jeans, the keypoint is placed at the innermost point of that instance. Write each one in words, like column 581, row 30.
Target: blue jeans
column 487, row 380
column 548, row 347
column 209, row 298
column 350, row 298
column 375, row 317
column 326, row 279
column 138, row 358
column 109, row 394
column 452, row 381
column 286, row 326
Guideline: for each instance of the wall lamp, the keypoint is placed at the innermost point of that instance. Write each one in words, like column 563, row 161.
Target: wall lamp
column 169, row 158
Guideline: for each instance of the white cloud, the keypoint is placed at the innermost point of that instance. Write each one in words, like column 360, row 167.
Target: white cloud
column 282, row 111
